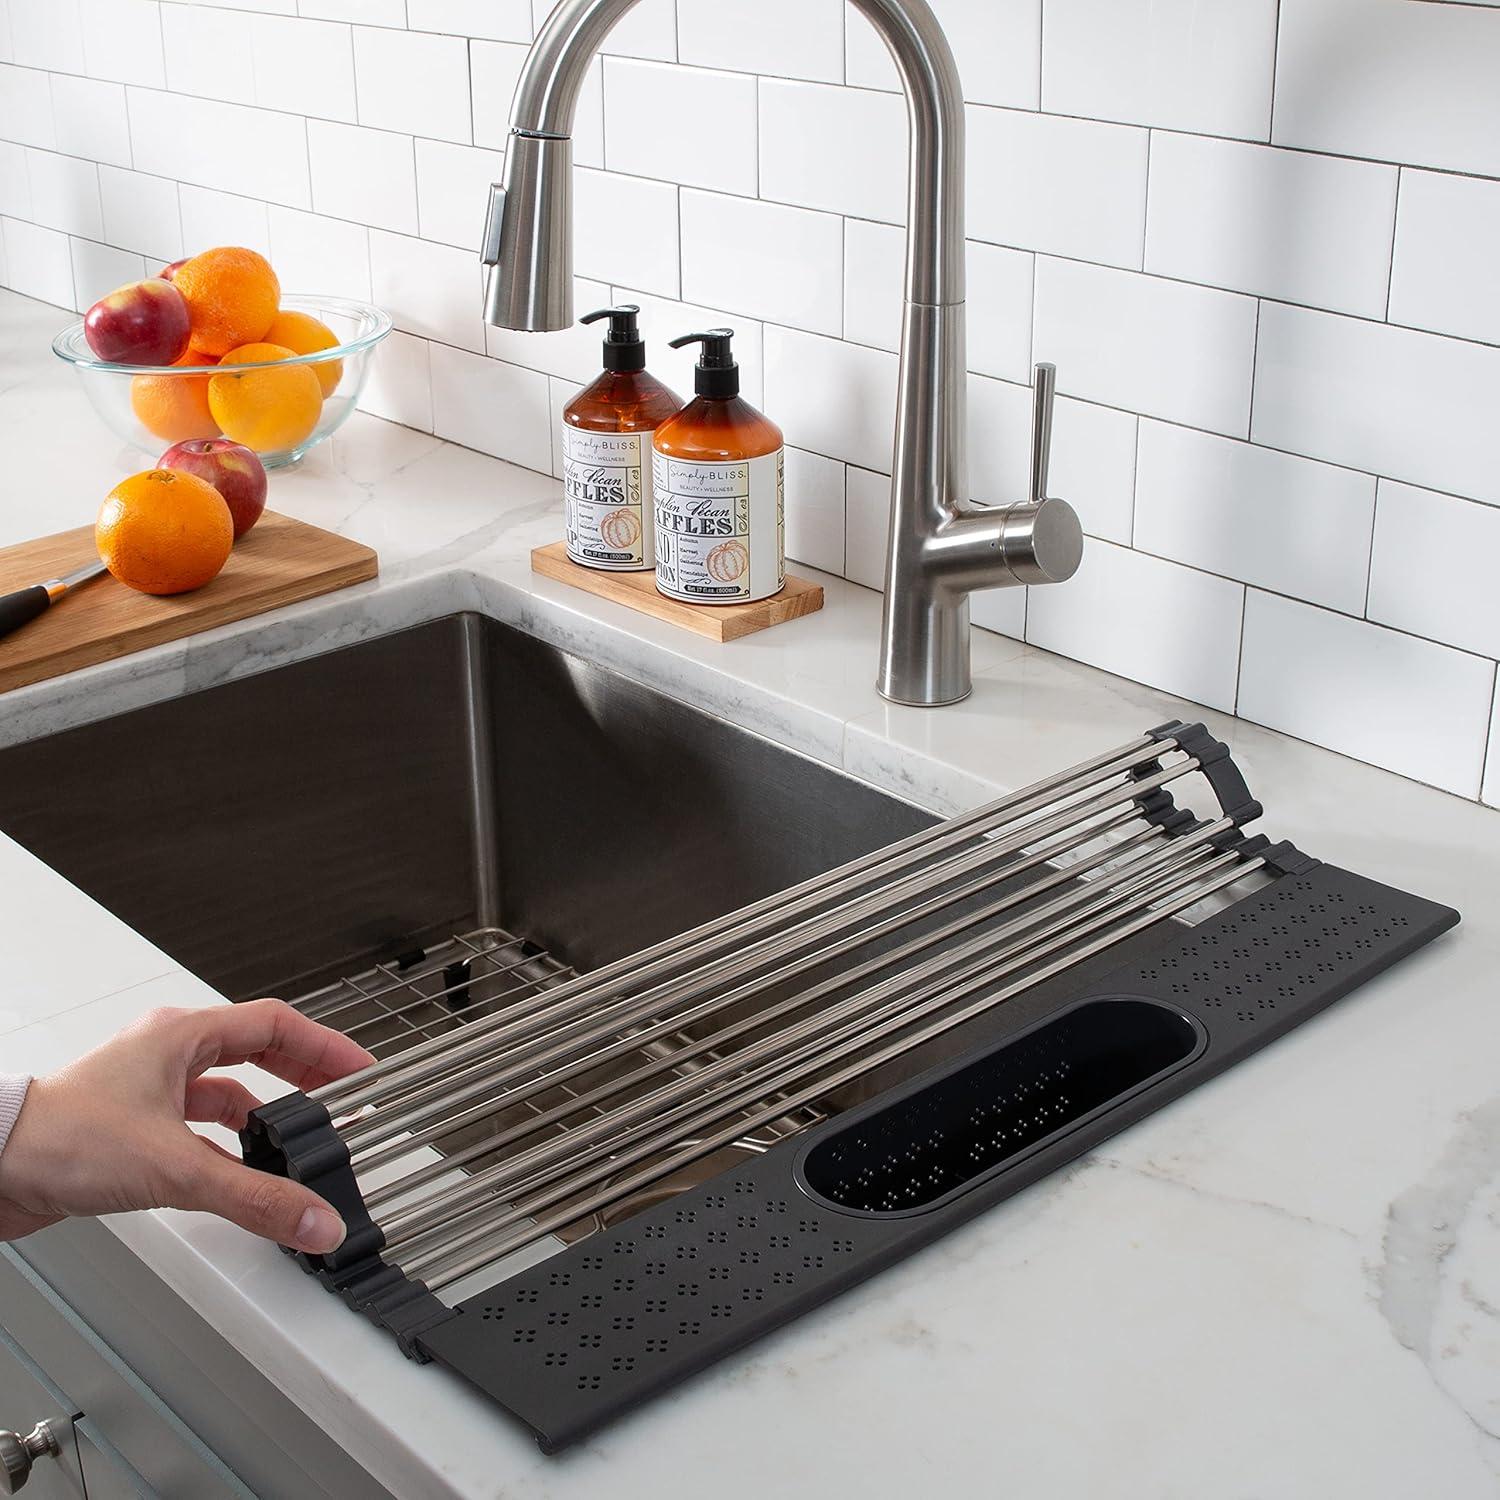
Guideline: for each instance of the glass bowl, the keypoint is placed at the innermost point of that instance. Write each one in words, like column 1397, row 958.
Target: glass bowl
column 121, row 402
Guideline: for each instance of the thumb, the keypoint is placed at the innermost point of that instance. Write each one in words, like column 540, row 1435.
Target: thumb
column 273, row 1207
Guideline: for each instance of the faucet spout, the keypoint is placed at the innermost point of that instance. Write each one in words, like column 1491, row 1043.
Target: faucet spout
column 939, row 547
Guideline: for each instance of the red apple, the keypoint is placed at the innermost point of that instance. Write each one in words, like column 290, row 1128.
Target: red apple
column 169, row 273
column 145, row 323
column 233, row 470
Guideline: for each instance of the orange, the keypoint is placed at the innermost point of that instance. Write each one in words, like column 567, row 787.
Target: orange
column 232, row 296
column 304, row 334
column 267, row 410
column 174, row 407
column 164, row 531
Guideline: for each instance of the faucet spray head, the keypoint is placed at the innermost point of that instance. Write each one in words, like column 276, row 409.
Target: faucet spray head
column 527, row 250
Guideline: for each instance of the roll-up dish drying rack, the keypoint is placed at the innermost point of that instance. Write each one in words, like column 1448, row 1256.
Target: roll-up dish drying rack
column 577, row 1190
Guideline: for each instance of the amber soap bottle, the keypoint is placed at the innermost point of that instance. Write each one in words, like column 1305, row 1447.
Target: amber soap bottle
column 718, row 477
column 606, row 444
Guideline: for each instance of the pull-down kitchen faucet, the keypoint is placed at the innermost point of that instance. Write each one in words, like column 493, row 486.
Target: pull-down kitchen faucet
column 940, row 546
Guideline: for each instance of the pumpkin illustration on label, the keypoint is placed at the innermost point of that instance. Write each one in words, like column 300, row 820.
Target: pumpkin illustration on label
column 621, row 529
column 727, row 562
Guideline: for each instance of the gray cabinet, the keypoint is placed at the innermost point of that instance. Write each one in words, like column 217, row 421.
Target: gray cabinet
column 27, row 1397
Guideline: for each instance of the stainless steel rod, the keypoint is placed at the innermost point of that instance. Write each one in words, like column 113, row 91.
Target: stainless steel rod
column 685, row 950
column 562, row 1004
column 387, row 1013
column 667, row 1115
column 441, row 1269
column 528, row 1048
column 634, row 1042
column 586, row 1022
column 851, row 1024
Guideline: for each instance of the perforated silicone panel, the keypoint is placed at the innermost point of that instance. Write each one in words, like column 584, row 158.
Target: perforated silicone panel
column 572, row 1343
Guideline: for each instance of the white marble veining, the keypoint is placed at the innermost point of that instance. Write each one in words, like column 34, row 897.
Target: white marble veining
column 1283, row 1285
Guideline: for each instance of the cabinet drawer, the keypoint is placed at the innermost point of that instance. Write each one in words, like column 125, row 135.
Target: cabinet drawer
column 26, row 1398
column 125, row 1431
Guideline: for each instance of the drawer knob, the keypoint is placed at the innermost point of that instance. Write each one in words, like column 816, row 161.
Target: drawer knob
column 17, row 1454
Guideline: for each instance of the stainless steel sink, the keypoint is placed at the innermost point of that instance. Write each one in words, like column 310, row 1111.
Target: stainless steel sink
column 362, row 807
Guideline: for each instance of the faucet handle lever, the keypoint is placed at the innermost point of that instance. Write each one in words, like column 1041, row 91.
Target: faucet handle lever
column 1043, row 392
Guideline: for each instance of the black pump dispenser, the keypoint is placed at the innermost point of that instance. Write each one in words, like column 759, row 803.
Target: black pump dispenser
column 624, row 348
column 716, row 374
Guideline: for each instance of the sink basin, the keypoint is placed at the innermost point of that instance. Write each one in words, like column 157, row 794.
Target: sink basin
column 351, row 811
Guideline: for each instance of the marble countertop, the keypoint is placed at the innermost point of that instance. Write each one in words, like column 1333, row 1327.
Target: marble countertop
column 1285, row 1284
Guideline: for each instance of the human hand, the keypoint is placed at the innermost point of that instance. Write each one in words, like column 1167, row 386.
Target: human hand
column 109, row 1133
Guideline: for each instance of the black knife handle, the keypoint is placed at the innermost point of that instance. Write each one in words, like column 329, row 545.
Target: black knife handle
column 23, row 606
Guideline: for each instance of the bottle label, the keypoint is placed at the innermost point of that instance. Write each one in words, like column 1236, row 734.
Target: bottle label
column 720, row 528
column 608, row 523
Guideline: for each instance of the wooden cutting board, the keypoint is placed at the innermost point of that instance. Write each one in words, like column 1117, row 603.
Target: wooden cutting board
column 281, row 561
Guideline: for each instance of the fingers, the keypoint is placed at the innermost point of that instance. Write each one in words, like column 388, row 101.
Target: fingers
column 273, row 1207
column 219, row 1101
column 277, row 1038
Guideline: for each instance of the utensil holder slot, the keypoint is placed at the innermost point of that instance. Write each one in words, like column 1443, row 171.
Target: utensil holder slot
column 926, row 1148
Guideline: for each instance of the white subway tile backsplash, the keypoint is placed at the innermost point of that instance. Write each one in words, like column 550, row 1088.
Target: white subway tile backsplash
column 99, row 269
column 319, row 256
column 366, row 175
column 1491, row 791
column 371, row 12
column 1139, row 617
column 999, row 441
column 1447, row 250
column 763, row 259
column 258, row 152
column 1000, row 610
column 1066, row 187
column 1093, row 466
column 493, row 407
column 15, row 185
column 26, row 106
column 999, row 297
column 399, row 387
column 757, row 162
column 1202, row 65
column 1157, row 347
column 814, row 510
column 122, row 40
column 1413, row 707
column 64, row 193
column 431, row 290
column 47, row 34
column 498, row 20
column 648, row 29
column 413, row 81
column 838, row 149
column 574, row 355
column 834, row 398
column 89, row 119
column 664, row 318
column 1284, row 224
column 302, row 65
column 685, row 125
column 1393, row 80
column 625, row 231
column 866, row 521
column 140, row 213
column 1407, row 405
column 996, row 43
column 210, row 52
column 38, row 262
column 787, row 38
column 1433, row 570
column 453, row 190
column 210, row 218
column 1283, row 523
